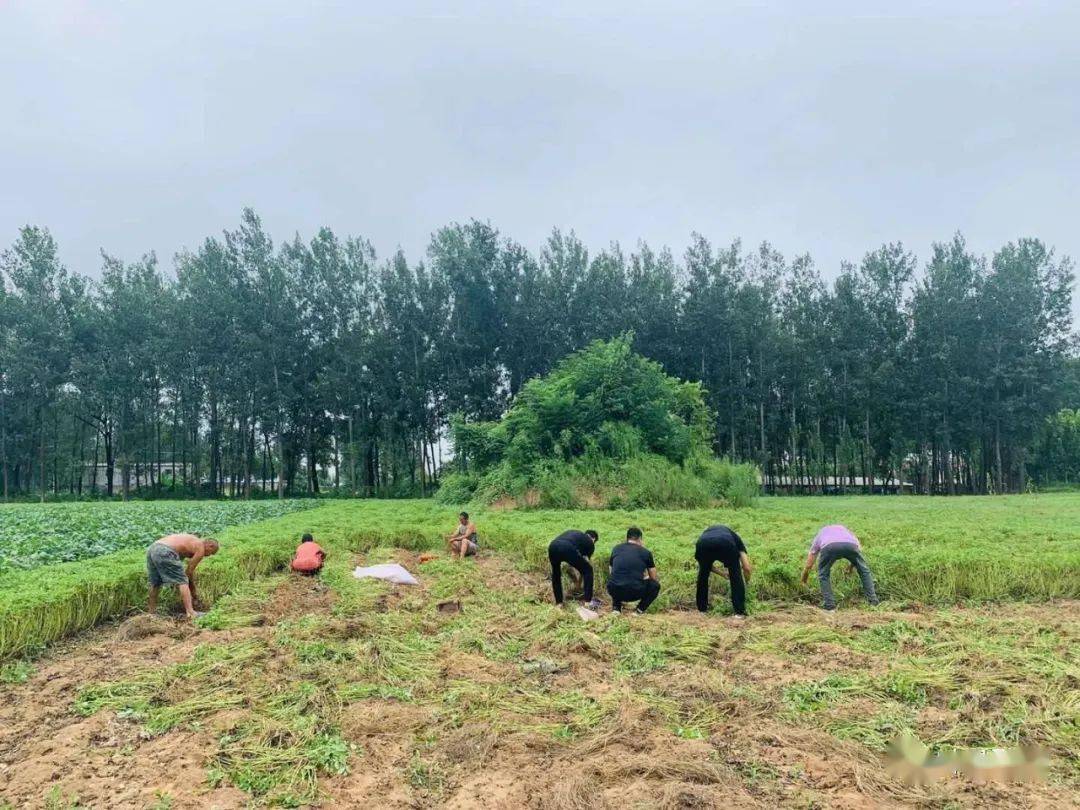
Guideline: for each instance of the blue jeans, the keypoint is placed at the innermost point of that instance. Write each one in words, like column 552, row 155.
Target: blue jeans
column 843, row 551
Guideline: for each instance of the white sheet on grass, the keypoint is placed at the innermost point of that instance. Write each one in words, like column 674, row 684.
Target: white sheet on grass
column 391, row 572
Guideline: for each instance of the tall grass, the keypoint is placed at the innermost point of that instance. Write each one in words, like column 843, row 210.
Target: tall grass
column 929, row 550
column 642, row 481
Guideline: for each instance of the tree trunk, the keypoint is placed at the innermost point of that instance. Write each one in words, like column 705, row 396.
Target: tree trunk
column 265, row 461
column 249, row 458
column 76, row 441
column 352, row 459
column 761, row 426
column 731, row 398
column 376, row 468
column 183, row 457
column 835, row 467
column 41, row 453
column 215, row 448
column 279, row 404
column 423, row 467
column 3, row 442
column 93, row 474
column 313, row 473
column 125, row 472
column 999, row 484
column 984, row 454
column 281, row 463
column 157, row 442
column 172, row 449
column 867, row 466
column 337, row 458
column 196, row 461
column 947, row 457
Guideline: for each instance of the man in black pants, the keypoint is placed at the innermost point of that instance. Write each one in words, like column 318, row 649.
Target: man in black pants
column 633, row 573
column 573, row 548
column 719, row 544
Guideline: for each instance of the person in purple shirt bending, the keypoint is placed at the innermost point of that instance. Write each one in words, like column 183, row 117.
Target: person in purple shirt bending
column 831, row 544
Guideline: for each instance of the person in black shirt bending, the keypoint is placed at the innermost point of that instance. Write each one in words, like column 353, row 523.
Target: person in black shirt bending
column 633, row 573
column 573, row 548
column 719, row 544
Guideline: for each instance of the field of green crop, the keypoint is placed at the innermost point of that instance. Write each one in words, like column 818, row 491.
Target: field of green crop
column 922, row 550
column 33, row 535
column 298, row 692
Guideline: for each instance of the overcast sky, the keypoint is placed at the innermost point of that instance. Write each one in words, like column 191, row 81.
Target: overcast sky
column 824, row 127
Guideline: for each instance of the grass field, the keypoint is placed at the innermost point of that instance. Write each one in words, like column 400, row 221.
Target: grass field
column 347, row 692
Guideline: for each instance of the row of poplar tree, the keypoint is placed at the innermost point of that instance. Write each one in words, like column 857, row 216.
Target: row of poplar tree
column 312, row 365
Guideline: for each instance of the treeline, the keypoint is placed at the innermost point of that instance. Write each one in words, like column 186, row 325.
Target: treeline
column 312, row 364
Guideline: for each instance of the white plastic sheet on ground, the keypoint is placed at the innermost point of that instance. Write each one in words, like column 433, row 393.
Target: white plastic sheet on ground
column 391, row 572
column 586, row 614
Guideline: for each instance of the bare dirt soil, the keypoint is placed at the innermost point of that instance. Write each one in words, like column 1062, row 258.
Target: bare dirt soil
column 755, row 755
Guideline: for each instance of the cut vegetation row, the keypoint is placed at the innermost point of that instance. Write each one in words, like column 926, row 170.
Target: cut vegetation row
column 348, row 692
column 926, row 551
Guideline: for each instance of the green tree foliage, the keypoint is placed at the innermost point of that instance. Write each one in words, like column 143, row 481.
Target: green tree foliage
column 248, row 367
column 39, row 307
column 1070, row 387
column 1057, row 450
column 606, row 425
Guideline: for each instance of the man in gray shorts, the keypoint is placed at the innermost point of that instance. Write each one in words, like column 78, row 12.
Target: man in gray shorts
column 165, row 567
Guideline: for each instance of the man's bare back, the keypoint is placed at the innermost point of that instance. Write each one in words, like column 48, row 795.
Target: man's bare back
column 186, row 545
column 163, row 566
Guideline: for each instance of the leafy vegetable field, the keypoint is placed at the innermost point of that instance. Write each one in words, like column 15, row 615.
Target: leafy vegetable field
column 32, row 535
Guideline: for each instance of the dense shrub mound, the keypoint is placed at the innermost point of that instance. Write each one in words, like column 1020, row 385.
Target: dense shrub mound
column 607, row 428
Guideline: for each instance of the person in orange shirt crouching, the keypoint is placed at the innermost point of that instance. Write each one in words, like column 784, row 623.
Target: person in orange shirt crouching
column 309, row 557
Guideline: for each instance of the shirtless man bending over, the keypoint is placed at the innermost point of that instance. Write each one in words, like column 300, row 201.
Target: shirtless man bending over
column 164, row 566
